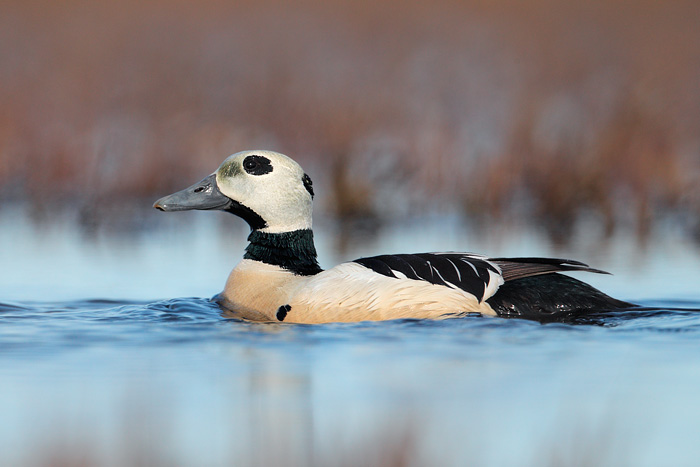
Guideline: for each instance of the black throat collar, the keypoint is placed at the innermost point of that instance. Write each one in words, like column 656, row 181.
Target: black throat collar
column 294, row 251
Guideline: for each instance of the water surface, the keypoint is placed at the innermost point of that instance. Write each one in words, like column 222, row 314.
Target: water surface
column 103, row 362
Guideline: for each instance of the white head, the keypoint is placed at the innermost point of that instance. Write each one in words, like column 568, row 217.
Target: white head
column 270, row 184
column 267, row 189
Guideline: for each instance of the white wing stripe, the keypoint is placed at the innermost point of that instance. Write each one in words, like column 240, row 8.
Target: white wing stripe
column 399, row 274
column 495, row 281
column 414, row 271
column 459, row 274
column 438, row 273
column 472, row 266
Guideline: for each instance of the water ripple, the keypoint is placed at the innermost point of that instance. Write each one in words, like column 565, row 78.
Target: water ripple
column 39, row 326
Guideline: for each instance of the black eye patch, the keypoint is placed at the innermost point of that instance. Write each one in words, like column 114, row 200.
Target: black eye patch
column 257, row 165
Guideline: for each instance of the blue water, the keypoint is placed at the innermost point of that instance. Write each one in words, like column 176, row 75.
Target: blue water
column 97, row 380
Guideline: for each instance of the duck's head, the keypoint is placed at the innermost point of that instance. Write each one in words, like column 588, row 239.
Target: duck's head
column 266, row 189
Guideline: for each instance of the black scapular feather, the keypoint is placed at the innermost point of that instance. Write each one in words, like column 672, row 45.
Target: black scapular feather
column 468, row 273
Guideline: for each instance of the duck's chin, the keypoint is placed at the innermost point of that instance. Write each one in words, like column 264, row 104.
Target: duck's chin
column 254, row 220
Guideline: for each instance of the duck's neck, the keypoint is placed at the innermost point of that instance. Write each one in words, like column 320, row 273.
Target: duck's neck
column 294, row 250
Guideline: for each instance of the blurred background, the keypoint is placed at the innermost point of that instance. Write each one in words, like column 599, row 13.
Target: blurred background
column 504, row 127
column 545, row 113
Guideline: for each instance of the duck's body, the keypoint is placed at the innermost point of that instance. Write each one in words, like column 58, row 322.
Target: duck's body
column 348, row 292
column 279, row 278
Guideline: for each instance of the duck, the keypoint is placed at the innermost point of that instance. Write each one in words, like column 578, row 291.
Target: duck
column 279, row 278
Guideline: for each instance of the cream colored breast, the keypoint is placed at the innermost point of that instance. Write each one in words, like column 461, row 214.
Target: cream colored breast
column 256, row 290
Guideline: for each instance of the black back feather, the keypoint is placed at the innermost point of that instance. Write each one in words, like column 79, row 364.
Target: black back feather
column 457, row 270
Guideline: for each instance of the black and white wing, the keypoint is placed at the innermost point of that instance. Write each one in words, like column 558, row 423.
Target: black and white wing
column 474, row 274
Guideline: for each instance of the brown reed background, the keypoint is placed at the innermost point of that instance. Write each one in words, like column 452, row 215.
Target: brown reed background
column 543, row 111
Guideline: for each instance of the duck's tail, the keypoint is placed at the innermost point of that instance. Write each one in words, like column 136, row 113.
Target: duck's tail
column 550, row 296
column 517, row 268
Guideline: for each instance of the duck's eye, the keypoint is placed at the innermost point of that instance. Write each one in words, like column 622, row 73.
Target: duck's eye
column 257, row 165
column 250, row 164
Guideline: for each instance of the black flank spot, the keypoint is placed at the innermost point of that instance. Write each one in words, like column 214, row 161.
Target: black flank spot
column 257, row 165
column 282, row 312
column 308, row 184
